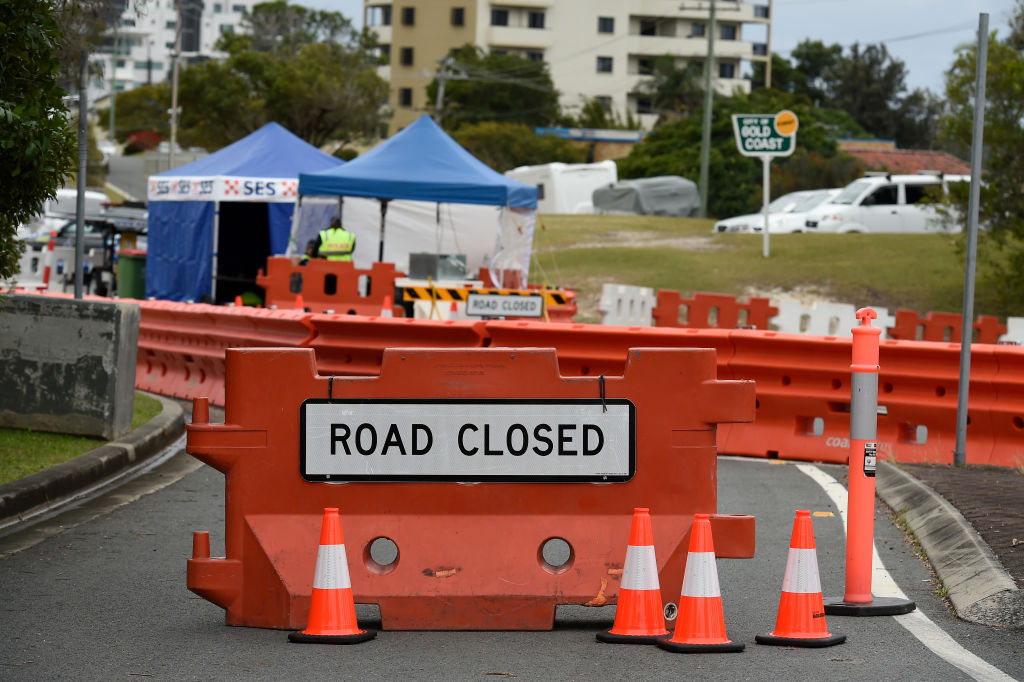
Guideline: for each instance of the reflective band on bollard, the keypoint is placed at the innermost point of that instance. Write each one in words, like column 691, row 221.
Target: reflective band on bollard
column 860, row 526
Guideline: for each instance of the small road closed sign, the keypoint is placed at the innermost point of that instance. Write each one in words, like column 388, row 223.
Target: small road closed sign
column 765, row 134
column 505, row 305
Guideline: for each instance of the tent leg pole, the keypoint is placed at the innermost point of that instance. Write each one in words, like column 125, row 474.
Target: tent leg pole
column 216, row 238
column 383, row 214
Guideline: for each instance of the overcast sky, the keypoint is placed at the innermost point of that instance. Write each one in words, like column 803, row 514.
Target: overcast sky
column 923, row 33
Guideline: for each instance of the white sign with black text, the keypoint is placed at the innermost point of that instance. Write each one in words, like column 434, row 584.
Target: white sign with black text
column 505, row 305
column 468, row 440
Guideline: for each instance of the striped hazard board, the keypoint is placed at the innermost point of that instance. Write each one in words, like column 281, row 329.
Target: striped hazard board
column 462, row 295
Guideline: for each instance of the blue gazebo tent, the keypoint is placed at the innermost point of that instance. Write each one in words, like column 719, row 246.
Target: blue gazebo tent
column 213, row 222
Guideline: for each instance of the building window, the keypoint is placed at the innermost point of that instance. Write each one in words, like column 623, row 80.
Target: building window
column 726, row 70
column 406, row 56
column 171, row 24
column 604, row 64
column 227, row 29
column 405, row 97
column 606, row 24
column 728, row 32
column 458, row 16
column 645, row 66
column 535, row 20
column 217, row 7
column 169, row 45
column 383, row 52
column 605, row 101
column 534, row 56
column 644, row 105
column 698, row 30
column 761, row 49
column 499, row 17
column 408, row 16
column 238, row 8
column 648, row 27
column 761, row 11
column 378, row 15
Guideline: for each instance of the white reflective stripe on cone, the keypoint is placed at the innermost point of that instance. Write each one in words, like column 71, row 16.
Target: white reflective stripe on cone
column 700, row 579
column 641, row 569
column 331, row 568
column 801, row 572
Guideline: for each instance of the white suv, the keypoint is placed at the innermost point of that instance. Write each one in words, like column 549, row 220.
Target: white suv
column 881, row 202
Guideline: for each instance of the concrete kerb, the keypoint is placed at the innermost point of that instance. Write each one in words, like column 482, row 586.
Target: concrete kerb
column 980, row 589
column 18, row 498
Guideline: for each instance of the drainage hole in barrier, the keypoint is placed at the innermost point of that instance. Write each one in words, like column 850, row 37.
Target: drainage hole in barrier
column 556, row 555
column 786, row 381
column 1018, row 422
column 836, row 384
column 381, row 556
column 886, row 387
column 940, row 391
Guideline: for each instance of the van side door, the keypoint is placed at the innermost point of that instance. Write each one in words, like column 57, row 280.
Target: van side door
column 880, row 210
column 919, row 215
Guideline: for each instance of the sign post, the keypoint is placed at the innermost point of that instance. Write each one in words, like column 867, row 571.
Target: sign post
column 765, row 136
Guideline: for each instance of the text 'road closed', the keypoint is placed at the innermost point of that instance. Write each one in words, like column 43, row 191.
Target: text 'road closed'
column 468, row 440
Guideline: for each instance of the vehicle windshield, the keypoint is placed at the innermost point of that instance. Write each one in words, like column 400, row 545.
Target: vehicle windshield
column 811, row 202
column 851, row 192
column 785, row 203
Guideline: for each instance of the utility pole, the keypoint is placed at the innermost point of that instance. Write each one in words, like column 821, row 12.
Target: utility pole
column 768, row 49
column 83, row 156
column 446, row 73
column 174, row 88
column 113, row 84
column 709, row 96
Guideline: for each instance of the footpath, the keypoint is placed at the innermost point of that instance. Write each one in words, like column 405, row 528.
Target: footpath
column 969, row 521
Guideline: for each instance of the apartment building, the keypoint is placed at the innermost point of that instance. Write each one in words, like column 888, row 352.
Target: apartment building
column 594, row 48
column 139, row 49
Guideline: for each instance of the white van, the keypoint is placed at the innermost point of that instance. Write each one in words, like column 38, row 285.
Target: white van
column 57, row 211
column 882, row 202
column 566, row 187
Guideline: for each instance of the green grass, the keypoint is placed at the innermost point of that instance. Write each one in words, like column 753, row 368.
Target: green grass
column 24, row 452
column 919, row 272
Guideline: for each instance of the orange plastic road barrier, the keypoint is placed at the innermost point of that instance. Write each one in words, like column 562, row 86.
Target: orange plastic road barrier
column 801, row 618
column 332, row 611
column 701, row 308
column 700, row 623
column 355, row 345
column 323, row 285
column 943, row 327
column 639, row 614
column 860, row 526
column 471, row 549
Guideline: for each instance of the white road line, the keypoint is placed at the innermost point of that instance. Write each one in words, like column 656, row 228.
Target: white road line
column 918, row 624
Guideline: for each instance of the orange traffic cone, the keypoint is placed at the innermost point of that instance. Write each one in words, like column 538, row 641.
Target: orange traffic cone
column 639, row 616
column 385, row 309
column 801, row 619
column 332, row 611
column 299, row 303
column 700, row 625
column 238, row 302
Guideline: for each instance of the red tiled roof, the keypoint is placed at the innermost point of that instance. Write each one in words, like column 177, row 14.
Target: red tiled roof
column 911, row 161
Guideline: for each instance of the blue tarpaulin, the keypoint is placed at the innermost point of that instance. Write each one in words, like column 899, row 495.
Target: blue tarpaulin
column 183, row 204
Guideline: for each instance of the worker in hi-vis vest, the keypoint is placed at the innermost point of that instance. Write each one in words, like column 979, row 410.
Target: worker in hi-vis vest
column 335, row 243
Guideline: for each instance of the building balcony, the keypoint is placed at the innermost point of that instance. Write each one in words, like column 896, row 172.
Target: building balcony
column 508, row 36
column 688, row 48
column 725, row 10
column 383, row 34
column 530, row 4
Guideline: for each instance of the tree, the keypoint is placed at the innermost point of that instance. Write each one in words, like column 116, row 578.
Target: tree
column 1001, row 209
column 674, row 90
column 596, row 114
column 735, row 180
column 497, row 87
column 504, row 146
column 37, row 145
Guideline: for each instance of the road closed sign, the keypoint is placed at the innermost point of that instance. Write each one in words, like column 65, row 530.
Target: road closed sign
column 505, row 305
column 468, row 440
column 765, row 134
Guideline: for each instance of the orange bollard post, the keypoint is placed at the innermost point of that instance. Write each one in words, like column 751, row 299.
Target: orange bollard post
column 801, row 617
column 860, row 515
column 332, row 610
column 700, row 625
column 639, row 615
column 48, row 260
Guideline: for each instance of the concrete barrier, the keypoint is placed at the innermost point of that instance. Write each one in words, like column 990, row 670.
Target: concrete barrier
column 67, row 366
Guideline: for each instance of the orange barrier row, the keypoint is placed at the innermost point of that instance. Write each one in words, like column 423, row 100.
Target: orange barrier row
column 471, row 535
column 948, row 327
column 182, row 345
column 711, row 310
column 336, row 286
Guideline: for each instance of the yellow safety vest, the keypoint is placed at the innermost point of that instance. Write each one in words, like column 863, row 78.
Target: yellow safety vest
column 336, row 244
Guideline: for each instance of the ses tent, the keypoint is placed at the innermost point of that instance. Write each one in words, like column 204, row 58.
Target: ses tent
column 213, row 222
column 420, row 192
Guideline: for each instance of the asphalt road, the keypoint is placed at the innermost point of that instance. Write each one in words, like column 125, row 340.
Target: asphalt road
column 127, row 173
column 102, row 597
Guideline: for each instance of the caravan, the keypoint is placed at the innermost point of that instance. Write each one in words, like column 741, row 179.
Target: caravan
column 566, row 187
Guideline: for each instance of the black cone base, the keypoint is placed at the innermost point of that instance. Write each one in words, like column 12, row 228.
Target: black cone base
column 680, row 648
column 878, row 606
column 814, row 642
column 302, row 638
column 608, row 638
